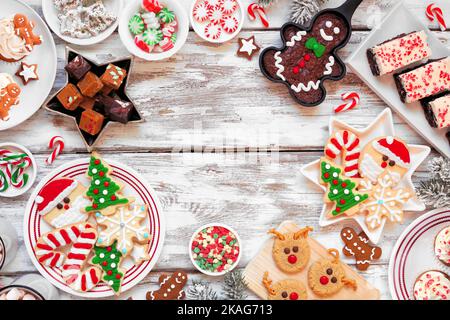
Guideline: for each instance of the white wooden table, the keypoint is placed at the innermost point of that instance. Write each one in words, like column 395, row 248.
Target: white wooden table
column 220, row 143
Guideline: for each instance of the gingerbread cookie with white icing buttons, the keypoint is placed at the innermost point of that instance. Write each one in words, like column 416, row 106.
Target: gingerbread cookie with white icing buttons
column 291, row 251
column 288, row 289
column 327, row 277
column 171, row 287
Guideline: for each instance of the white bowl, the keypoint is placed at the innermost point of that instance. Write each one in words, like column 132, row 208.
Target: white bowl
column 199, row 27
column 12, row 192
column 51, row 16
column 234, row 265
column 128, row 39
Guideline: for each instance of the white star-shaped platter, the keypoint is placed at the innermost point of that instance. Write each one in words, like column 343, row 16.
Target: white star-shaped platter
column 382, row 126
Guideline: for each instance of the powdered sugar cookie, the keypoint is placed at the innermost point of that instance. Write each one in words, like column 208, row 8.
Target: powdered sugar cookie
column 288, row 289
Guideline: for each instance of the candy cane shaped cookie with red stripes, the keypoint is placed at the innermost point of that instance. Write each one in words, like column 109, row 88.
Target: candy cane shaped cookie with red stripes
column 49, row 244
column 345, row 143
column 72, row 270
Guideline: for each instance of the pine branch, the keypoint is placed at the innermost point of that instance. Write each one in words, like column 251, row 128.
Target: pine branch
column 266, row 3
column 303, row 10
column 200, row 290
column 434, row 193
column 440, row 168
column 234, row 286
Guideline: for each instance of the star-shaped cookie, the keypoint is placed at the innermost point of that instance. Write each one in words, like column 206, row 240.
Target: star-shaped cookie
column 382, row 126
column 247, row 48
column 27, row 72
column 55, row 106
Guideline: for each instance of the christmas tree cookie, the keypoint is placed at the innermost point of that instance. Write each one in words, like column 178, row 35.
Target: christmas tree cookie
column 103, row 192
column 109, row 259
column 340, row 190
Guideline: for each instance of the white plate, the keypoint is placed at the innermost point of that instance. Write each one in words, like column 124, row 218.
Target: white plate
column 382, row 126
column 51, row 16
column 413, row 253
column 400, row 20
column 134, row 186
column 199, row 27
column 128, row 39
column 35, row 93
column 31, row 171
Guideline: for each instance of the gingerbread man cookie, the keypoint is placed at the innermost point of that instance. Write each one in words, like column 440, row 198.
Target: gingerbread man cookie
column 327, row 277
column 291, row 251
column 9, row 96
column 357, row 245
column 171, row 287
column 308, row 57
column 288, row 289
column 24, row 29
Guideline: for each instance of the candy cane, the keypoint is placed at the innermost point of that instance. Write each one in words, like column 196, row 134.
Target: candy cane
column 14, row 166
column 76, row 259
column 434, row 12
column 354, row 101
column 57, row 145
column 254, row 9
column 346, row 144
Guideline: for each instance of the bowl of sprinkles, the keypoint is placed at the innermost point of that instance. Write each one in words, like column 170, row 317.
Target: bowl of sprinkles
column 153, row 29
column 215, row 249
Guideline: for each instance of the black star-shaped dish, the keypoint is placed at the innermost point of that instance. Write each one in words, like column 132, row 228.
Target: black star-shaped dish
column 54, row 105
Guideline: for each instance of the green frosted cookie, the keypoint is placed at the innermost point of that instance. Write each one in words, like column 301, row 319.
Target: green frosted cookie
column 152, row 36
column 136, row 25
column 166, row 16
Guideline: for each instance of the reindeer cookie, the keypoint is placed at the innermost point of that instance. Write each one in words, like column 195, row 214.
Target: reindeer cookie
column 291, row 251
column 288, row 289
column 171, row 287
column 308, row 57
column 357, row 245
column 327, row 277
column 24, row 29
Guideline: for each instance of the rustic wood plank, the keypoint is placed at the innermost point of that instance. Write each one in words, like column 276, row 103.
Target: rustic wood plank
column 207, row 97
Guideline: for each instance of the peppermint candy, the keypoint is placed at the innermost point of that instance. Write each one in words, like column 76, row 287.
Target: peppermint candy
column 152, row 36
column 150, row 20
column 136, row 24
column 213, row 3
column 213, row 30
column 200, row 12
column 151, row 6
column 166, row 44
column 215, row 14
column 142, row 45
column 166, row 16
column 230, row 24
column 229, row 6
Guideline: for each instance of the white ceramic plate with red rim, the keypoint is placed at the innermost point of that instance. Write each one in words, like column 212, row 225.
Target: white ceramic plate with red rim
column 400, row 20
column 35, row 93
column 134, row 186
column 413, row 253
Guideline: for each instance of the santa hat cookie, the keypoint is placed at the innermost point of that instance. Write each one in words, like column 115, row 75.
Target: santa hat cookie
column 395, row 149
column 53, row 193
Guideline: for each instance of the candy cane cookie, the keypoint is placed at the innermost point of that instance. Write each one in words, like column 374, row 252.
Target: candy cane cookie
column 72, row 270
column 48, row 244
column 345, row 143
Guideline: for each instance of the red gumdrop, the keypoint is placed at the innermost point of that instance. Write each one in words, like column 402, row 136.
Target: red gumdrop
column 292, row 259
column 293, row 296
column 323, row 280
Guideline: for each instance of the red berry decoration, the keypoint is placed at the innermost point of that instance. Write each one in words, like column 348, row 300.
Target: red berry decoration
column 292, row 259
column 95, row 191
column 323, row 280
column 293, row 296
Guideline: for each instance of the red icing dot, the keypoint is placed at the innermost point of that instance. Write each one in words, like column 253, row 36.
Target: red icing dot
column 293, row 296
column 292, row 259
column 342, row 201
column 101, row 173
column 109, row 249
column 118, row 276
column 106, row 183
column 335, row 182
column 301, row 64
column 323, row 280
column 66, row 207
column 307, row 57
column 338, row 209
column 97, row 162
column 295, row 70
column 109, row 272
column 326, row 175
column 105, row 263
column 344, row 185
column 113, row 198
column 95, row 206
column 384, row 164
column 95, row 191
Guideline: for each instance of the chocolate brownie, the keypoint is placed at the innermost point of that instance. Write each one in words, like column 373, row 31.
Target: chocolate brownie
column 437, row 110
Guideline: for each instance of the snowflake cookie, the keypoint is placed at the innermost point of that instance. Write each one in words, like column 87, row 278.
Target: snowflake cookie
column 125, row 226
column 385, row 202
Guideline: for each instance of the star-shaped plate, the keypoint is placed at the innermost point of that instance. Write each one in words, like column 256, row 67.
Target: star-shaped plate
column 382, row 126
column 55, row 106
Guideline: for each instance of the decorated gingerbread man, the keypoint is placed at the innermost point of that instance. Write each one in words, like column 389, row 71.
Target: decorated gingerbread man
column 171, row 287
column 9, row 96
column 308, row 57
column 24, row 29
column 357, row 245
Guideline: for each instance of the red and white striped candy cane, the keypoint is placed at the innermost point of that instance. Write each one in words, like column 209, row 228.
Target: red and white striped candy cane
column 57, row 145
column 48, row 244
column 254, row 9
column 72, row 270
column 434, row 12
column 346, row 144
column 354, row 102
column 8, row 157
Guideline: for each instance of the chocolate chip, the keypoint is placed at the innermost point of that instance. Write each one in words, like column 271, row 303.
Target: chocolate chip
column 287, row 250
column 59, row 206
column 66, row 200
column 392, row 163
column 284, row 294
column 295, row 249
column 334, row 280
column 329, row 271
column 385, row 158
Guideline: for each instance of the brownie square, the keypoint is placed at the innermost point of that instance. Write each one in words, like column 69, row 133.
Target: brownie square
column 115, row 108
column 78, row 67
column 437, row 110
column 91, row 122
column 90, row 85
column 113, row 76
column 70, row 97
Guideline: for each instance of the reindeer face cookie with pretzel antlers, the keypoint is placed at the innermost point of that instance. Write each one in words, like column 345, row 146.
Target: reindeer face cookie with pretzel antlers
column 291, row 251
column 288, row 289
column 327, row 277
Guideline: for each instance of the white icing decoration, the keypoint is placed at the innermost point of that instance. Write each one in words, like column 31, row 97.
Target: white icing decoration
column 336, row 30
column 301, row 87
column 295, row 38
column 279, row 66
column 325, row 36
column 328, row 24
column 329, row 66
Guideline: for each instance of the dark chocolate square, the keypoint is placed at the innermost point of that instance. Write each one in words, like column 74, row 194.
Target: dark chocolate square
column 78, row 67
column 115, row 108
